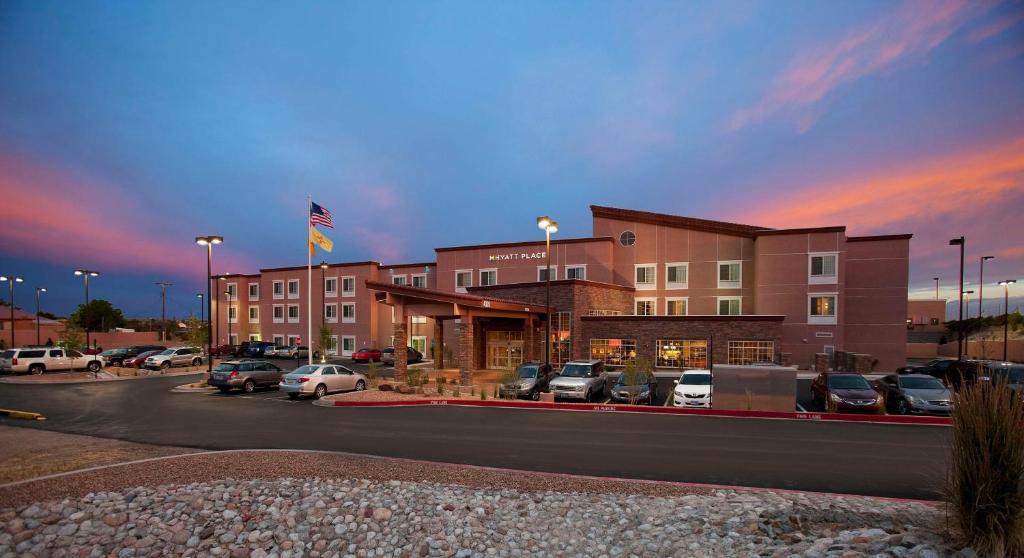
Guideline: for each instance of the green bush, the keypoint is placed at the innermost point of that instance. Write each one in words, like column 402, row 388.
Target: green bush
column 371, row 372
column 984, row 490
column 483, row 395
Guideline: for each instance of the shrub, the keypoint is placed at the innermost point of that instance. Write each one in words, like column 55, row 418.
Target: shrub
column 371, row 372
column 497, row 391
column 984, row 489
column 483, row 395
column 510, row 378
column 440, row 386
column 455, row 390
column 472, row 391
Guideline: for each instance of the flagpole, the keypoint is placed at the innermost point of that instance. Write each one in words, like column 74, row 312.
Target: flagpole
column 309, row 279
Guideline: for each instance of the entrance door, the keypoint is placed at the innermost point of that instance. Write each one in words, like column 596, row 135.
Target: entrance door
column 504, row 349
column 419, row 342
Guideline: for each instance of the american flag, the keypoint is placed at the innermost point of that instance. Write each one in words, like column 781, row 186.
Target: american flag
column 320, row 216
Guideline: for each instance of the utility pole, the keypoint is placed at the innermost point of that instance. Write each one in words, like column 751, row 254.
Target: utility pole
column 163, row 309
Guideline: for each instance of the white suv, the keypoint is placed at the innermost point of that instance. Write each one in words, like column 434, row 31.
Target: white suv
column 36, row 360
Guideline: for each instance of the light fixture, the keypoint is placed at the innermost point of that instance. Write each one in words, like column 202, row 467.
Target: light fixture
column 211, row 239
column 543, row 222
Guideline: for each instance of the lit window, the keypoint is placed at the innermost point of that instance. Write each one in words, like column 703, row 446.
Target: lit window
column 822, row 309
column 613, row 351
column 675, row 307
column 682, row 354
column 645, row 306
column 747, row 352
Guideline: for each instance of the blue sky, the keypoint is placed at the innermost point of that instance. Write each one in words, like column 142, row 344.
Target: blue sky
column 128, row 128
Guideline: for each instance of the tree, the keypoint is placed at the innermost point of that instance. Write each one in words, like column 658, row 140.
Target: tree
column 325, row 342
column 635, row 374
column 195, row 332
column 100, row 315
column 48, row 315
column 71, row 338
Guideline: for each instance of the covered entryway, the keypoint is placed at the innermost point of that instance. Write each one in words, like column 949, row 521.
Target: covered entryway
column 490, row 334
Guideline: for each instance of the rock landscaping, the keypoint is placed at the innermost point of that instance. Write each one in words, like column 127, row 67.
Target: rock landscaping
column 293, row 517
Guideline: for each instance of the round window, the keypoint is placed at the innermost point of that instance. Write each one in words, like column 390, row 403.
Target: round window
column 627, row 238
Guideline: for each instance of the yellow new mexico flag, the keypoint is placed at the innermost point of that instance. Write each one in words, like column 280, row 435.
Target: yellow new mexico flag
column 316, row 238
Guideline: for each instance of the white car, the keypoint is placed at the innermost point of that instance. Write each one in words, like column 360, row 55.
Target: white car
column 693, row 389
column 36, row 360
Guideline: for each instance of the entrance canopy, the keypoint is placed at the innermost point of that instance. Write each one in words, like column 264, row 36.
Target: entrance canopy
column 440, row 305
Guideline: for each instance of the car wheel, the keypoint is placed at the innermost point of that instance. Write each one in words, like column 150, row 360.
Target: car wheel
column 902, row 408
column 197, row 361
column 117, row 363
column 360, row 385
column 165, row 365
column 36, row 369
column 93, row 366
column 320, row 391
column 588, row 396
column 535, row 395
column 224, row 389
column 249, row 386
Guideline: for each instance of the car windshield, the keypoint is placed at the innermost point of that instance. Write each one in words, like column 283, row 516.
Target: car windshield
column 848, row 382
column 1010, row 374
column 149, row 353
column 921, row 383
column 112, row 352
column 528, row 371
column 7, row 354
column 224, row 367
column 305, row 370
column 635, row 380
column 576, row 370
column 695, row 379
column 168, row 352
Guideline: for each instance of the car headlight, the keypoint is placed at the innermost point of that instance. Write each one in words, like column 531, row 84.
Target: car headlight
column 525, row 386
column 835, row 397
column 914, row 400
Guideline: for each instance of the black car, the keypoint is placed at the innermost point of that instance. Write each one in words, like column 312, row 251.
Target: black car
column 951, row 372
column 254, row 349
column 116, row 357
column 641, row 388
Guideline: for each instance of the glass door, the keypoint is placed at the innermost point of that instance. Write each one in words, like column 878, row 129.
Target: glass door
column 504, row 349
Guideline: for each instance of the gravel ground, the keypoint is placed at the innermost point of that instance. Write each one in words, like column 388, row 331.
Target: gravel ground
column 303, row 516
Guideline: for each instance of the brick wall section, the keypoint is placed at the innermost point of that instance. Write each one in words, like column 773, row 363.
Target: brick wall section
column 647, row 330
column 820, row 362
column 464, row 339
column 862, row 364
column 438, row 345
column 401, row 352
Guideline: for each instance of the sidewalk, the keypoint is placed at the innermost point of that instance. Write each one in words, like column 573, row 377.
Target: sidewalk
column 80, row 377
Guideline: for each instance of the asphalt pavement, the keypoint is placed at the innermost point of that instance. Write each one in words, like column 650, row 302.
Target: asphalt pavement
column 871, row 459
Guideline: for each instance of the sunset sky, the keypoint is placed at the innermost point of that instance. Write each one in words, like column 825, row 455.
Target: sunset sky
column 128, row 128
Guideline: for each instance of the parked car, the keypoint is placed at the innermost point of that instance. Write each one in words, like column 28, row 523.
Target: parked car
column 224, row 350
column 293, row 351
column 246, row 375
column 175, row 356
column 533, row 378
column 917, row 394
column 275, row 351
column 581, row 379
column 116, row 357
column 366, row 355
column 388, row 355
column 139, row 360
column 693, row 389
column 37, row 360
column 846, row 393
column 1012, row 374
column 254, row 349
column 320, row 379
column 951, row 372
column 635, row 390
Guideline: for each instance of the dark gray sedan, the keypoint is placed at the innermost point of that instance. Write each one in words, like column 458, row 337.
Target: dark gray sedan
column 915, row 394
column 246, row 375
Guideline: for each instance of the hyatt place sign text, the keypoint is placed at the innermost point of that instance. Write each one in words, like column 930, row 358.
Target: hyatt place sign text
column 516, row 256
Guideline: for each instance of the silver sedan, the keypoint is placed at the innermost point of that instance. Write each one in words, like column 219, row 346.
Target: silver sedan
column 320, row 379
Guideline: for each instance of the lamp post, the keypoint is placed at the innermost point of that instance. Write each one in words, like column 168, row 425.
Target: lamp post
column 936, row 279
column 548, row 226
column 960, row 330
column 202, row 315
column 11, row 281
column 1006, row 312
column 209, row 242
column 86, row 274
column 39, row 290
column 163, row 309
column 967, row 311
column 967, row 303
column 981, row 283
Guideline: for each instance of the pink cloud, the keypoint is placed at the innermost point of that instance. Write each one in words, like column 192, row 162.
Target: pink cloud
column 997, row 27
column 61, row 217
column 912, row 29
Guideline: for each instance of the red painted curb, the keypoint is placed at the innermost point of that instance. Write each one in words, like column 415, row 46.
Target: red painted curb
column 605, row 408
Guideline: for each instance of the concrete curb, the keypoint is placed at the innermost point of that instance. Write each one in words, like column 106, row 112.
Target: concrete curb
column 185, row 389
column 27, row 415
column 605, row 408
column 23, row 381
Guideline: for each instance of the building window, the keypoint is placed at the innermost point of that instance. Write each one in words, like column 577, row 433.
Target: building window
column 419, row 281
column 254, row 337
column 561, row 338
column 293, row 340
column 332, row 345
column 613, row 351
column 254, row 314
column 646, row 276
column 730, row 305
column 488, row 277
column 675, row 306
column 398, row 279
column 348, row 345
column 627, row 238
column 293, row 288
column 331, row 286
column 293, row 313
column 676, row 275
column 279, row 339
column 746, row 352
column 576, row 272
column 232, row 291
column 278, row 288
column 463, row 279
column 232, row 314
column 542, row 273
column 682, row 354
column 822, row 268
column 278, row 313
column 822, row 309
column 418, row 342
column 418, row 319
column 730, row 274
column 254, row 291
column 348, row 313
column 645, row 306
column 348, row 286
column 331, row 313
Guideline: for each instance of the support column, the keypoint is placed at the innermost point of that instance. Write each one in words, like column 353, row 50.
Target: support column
column 467, row 349
column 528, row 353
column 401, row 352
column 438, row 344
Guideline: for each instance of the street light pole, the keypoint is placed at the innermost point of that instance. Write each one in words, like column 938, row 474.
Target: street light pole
column 1006, row 313
column 12, row 281
column 163, row 310
column 38, row 291
column 960, row 323
column 549, row 227
column 209, row 241
column 86, row 274
column 202, row 315
column 981, row 283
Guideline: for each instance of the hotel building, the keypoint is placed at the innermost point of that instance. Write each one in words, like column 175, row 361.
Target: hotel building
column 675, row 290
